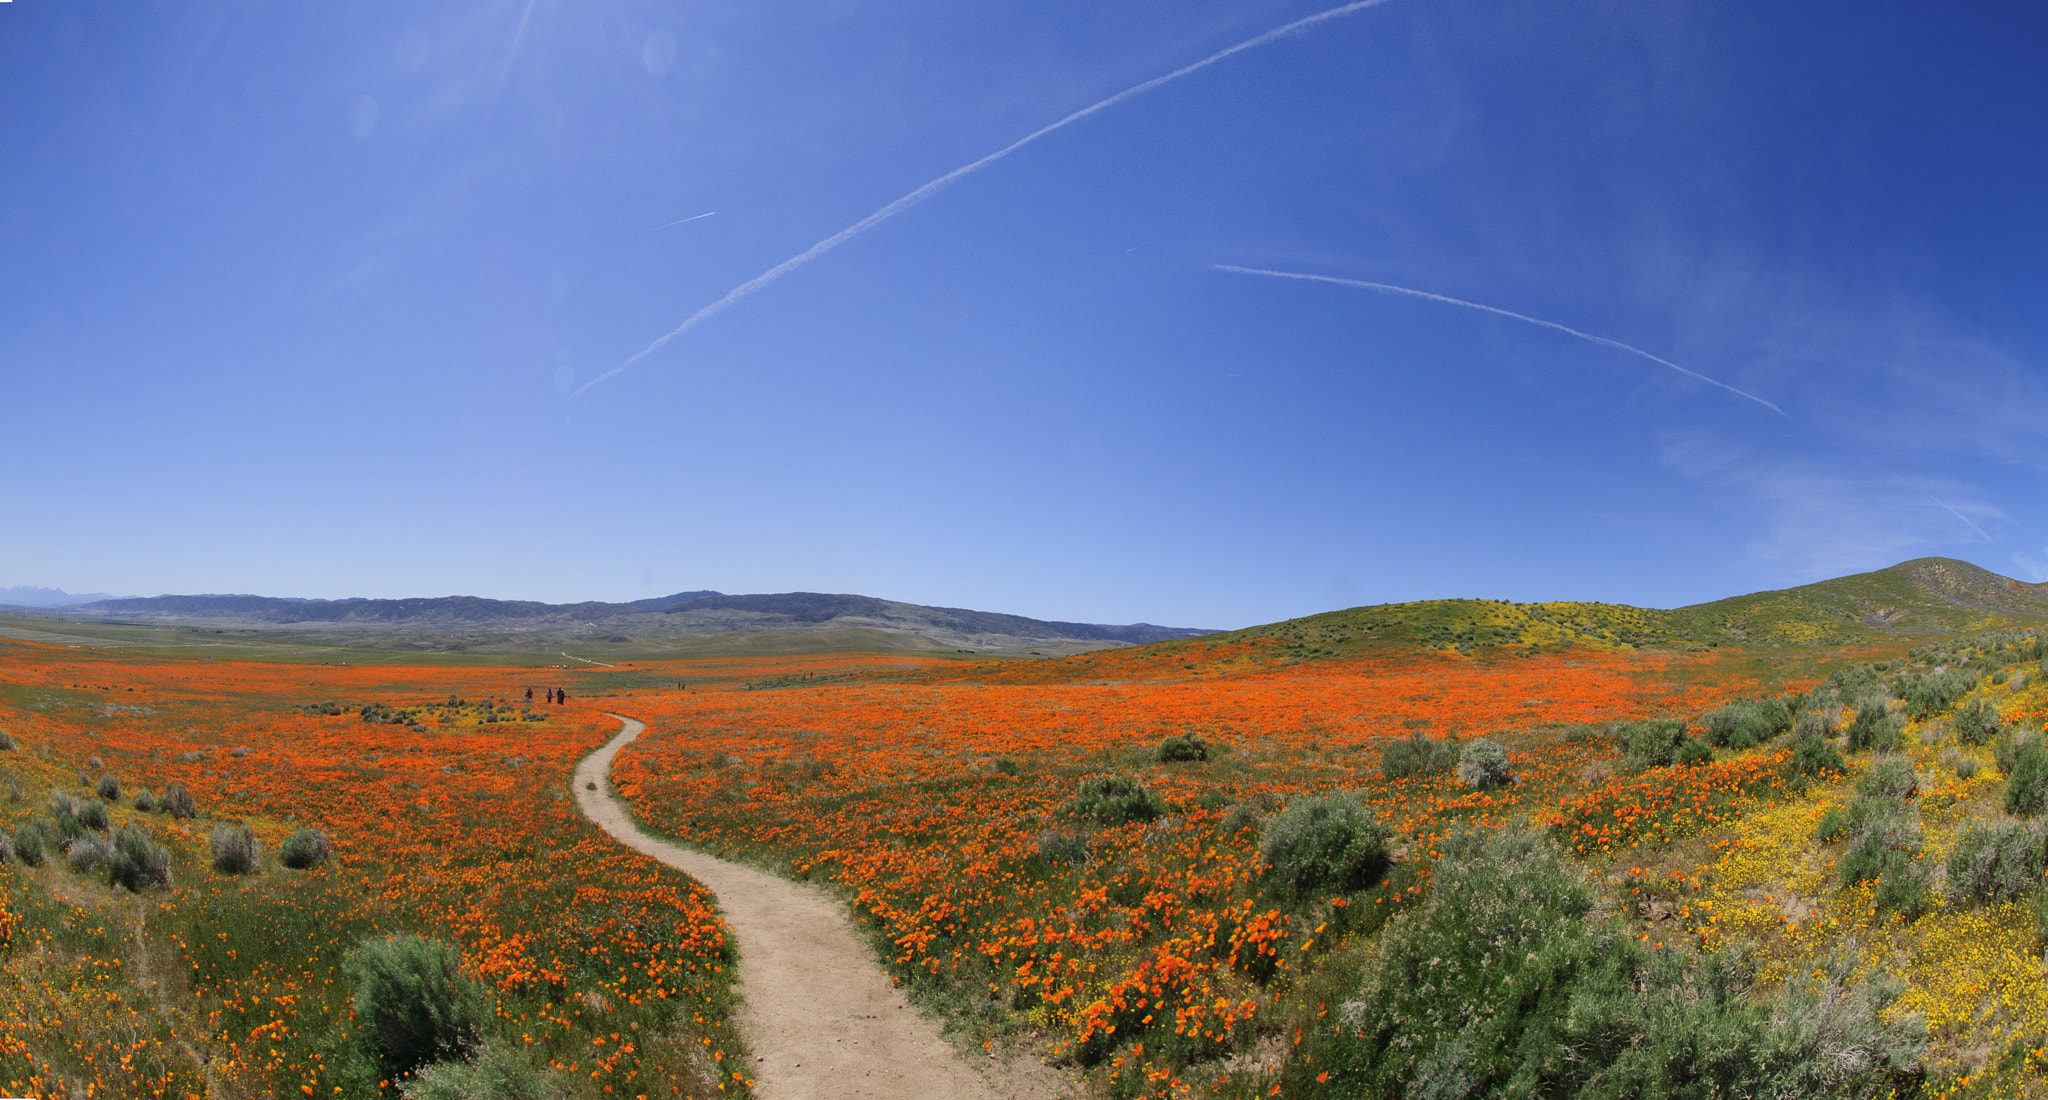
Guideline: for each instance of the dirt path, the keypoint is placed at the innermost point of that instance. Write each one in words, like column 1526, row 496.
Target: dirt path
column 822, row 1019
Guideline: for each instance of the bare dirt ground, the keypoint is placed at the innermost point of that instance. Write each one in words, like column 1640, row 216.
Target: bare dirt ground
column 822, row 1019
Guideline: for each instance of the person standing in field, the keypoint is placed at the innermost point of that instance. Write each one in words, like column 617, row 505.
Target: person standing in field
column 529, row 697
column 561, row 695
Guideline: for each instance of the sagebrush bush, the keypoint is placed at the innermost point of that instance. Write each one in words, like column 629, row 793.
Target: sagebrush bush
column 1418, row 755
column 1322, row 846
column 2005, row 748
column 1875, row 727
column 1692, row 752
column 89, row 853
column 1927, row 696
column 1813, row 758
column 1976, row 724
column 495, row 1072
column 144, row 800
column 6, row 741
column 1885, row 849
column 177, row 802
column 1746, row 724
column 137, row 862
column 1506, row 981
column 234, row 849
column 1483, row 764
column 1996, row 862
column 31, row 841
column 1114, row 800
column 1181, row 750
column 1063, row 849
column 2026, row 792
column 1653, row 742
column 413, row 1002
column 93, row 815
column 110, row 788
column 304, row 849
column 1892, row 779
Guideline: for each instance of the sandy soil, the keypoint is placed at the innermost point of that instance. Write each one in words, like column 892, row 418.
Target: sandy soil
column 820, row 1016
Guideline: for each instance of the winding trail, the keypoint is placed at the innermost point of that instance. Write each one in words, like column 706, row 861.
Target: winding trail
column 823, row 1021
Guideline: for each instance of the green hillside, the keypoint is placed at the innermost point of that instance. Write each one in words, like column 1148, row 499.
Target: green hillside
column 1922, row 596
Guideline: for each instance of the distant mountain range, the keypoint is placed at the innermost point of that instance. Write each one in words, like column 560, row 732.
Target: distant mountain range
column 680, row 615
column 28, row 595
column 1922, row 596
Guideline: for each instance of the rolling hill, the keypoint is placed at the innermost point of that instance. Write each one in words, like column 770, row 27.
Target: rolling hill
column 1922, row 596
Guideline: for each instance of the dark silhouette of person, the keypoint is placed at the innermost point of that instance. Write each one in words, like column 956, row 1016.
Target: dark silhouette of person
column 561, row 696
column 529, row 696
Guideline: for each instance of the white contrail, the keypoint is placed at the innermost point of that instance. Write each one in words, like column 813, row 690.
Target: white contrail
column 1388, row 288
column 680, row 221
column 957, row 174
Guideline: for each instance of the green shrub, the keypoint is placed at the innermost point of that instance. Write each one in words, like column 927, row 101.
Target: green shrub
column 1812, row 758
column 1321, row 846
column 1691, row 752
column 1065, row 849
column 138, row 863
column 177, row 802
column 1889, row 779
column 413, row 1002
column 1745, row 724
column 1975, row 724
column 1483, row 765
column 144, row 801
column 1114, row 800
column 1996, row 862
column 234, row 849
column 1927, row 696
column 88, row 853
column 1179, row 750
column 93, row 815
column 2005, row 748
column 110, row 788
column 31, row 841
column 1885, row 849
column 1506, row 981
column 1653, row 743
column 303, row 849
column 1874, row 727
column 496, row 1072
column 2026, row 792
column 1418, row 755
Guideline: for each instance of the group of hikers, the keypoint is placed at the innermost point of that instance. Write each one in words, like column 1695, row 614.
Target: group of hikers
column 555, row 695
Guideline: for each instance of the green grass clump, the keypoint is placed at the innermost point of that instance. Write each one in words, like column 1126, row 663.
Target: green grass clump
column 1322, row 846
column 414, row 1003
column 1114, row 800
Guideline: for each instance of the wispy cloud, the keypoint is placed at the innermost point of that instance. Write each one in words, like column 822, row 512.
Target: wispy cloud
column 1388, row 288
column 762, row 280
column 1819, row 519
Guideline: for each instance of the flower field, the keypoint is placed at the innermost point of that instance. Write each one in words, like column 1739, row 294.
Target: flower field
column 448, row 816
column 1148, row 952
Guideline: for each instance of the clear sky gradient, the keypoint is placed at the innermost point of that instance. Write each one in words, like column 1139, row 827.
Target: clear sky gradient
column 294, row 300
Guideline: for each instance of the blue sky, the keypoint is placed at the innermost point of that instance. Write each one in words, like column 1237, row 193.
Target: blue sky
column 293, row 300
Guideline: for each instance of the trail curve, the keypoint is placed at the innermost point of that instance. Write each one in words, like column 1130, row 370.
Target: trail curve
column 822, row 1020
